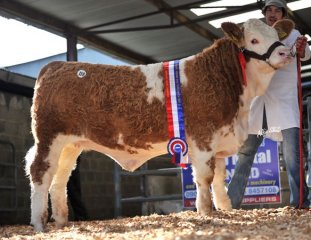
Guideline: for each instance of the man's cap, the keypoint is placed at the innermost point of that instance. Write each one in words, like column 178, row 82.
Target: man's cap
column 278, row 3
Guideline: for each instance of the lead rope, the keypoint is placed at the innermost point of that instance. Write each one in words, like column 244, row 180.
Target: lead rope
column 293, row 53
column 301, row 170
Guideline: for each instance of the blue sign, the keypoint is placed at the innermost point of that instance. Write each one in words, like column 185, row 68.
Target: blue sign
column 189, row 188
column 264, row 181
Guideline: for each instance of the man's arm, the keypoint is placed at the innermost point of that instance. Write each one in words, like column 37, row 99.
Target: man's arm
column 302, row 48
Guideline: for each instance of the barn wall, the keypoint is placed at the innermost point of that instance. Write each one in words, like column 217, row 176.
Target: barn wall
column 15, row 130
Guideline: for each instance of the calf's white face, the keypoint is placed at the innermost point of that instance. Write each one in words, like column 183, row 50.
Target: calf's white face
column 259, row 37
column 263, row 57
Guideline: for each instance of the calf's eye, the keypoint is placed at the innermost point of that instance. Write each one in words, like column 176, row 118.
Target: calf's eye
column 254, row 41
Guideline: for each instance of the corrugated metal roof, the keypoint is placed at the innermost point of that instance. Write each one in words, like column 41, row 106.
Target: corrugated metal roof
column 89, row 18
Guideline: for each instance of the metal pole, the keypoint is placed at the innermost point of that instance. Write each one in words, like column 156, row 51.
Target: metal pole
column 117, row 190
column 72, row 54
column 301, row 170
column 309, row 145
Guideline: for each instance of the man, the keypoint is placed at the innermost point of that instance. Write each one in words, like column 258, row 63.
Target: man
column 275, row 115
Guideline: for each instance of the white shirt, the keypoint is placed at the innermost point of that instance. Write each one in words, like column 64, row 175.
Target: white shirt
column 280, row 99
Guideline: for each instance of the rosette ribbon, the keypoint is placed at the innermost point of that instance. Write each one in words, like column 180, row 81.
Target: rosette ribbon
column 177, row 146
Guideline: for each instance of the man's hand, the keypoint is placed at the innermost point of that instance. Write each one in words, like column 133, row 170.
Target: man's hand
column 301, row 43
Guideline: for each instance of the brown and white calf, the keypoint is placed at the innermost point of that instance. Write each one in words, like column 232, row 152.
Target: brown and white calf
column 120, row 111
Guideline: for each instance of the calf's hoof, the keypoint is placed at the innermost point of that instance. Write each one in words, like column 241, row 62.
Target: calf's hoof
column 226, row 205
column 61, row 224
column 38, row 227
column 205, row 211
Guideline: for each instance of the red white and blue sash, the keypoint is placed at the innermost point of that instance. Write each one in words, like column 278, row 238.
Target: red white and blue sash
column 177, row 146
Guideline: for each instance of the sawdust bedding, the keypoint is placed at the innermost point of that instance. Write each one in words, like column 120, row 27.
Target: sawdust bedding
column 280, row 223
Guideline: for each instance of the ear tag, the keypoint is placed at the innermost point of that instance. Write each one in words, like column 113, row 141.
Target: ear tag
column 282, row 35
column 81, row 73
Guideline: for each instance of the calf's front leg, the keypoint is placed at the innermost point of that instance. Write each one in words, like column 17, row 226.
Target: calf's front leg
column 220, row 197
column 203, row 173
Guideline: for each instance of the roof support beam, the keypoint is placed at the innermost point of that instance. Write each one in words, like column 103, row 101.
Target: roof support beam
column 231, row 10
column 181, row 18
column 148, row 14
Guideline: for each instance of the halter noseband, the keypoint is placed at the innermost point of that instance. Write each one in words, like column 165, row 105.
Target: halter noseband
column 264, row 57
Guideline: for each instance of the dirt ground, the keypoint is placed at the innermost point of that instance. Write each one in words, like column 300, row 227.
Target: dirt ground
column 280, row 223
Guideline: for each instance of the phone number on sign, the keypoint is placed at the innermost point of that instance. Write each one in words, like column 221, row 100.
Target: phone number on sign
column 249, row 191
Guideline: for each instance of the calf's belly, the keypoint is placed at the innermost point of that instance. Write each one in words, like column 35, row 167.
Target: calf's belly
column 128, row 158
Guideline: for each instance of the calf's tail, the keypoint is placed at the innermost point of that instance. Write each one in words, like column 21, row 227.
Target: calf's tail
column 29, row 158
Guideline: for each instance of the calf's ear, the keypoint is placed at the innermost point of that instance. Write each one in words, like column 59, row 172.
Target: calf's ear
column 284, row 28
column 233, row 32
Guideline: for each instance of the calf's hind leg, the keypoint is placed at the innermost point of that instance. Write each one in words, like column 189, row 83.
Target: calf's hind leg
column 39, row 202
column 42, row 162
column 58, row 188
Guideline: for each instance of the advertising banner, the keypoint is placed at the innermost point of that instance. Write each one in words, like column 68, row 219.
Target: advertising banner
column 264, row 181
